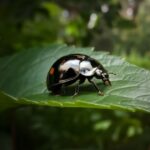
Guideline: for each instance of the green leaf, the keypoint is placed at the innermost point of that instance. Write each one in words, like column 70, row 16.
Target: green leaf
column 23, row 82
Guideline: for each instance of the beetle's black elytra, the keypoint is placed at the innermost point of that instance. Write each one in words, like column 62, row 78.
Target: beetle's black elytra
column 75, row 67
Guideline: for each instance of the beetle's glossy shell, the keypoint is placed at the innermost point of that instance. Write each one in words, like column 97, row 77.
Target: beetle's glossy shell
column 69, row 67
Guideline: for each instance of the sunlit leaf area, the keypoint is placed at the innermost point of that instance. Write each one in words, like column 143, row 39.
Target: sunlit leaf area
column 34, row 34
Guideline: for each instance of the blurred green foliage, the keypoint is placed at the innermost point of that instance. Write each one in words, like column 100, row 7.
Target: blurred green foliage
column 75, row 128
column 121, row 27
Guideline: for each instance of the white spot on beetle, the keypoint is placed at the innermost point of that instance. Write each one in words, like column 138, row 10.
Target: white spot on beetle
column 74, row 64
column 85, row 65
column 98, row 72
column 87, row 72
column 86, row 68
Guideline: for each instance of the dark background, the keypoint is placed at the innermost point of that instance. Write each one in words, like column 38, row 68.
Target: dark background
column 120, row 27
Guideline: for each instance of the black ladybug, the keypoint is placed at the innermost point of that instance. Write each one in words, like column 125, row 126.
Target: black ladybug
column 75, row 67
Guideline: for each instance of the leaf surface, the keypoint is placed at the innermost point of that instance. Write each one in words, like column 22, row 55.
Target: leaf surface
column 23, row 82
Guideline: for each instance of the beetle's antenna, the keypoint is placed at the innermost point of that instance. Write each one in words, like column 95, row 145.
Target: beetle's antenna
column 112, row 73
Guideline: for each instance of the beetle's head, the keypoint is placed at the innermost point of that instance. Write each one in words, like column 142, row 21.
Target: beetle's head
column 103, row 75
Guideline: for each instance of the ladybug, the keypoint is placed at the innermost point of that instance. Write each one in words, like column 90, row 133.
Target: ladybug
column 75, row 67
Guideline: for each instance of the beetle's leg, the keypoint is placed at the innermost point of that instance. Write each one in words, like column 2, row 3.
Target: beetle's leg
column 78, row 86
column 63, row 89
column 96, row 87
column 76, row 90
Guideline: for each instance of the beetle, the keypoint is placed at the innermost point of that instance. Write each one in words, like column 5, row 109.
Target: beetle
column 75, row 67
